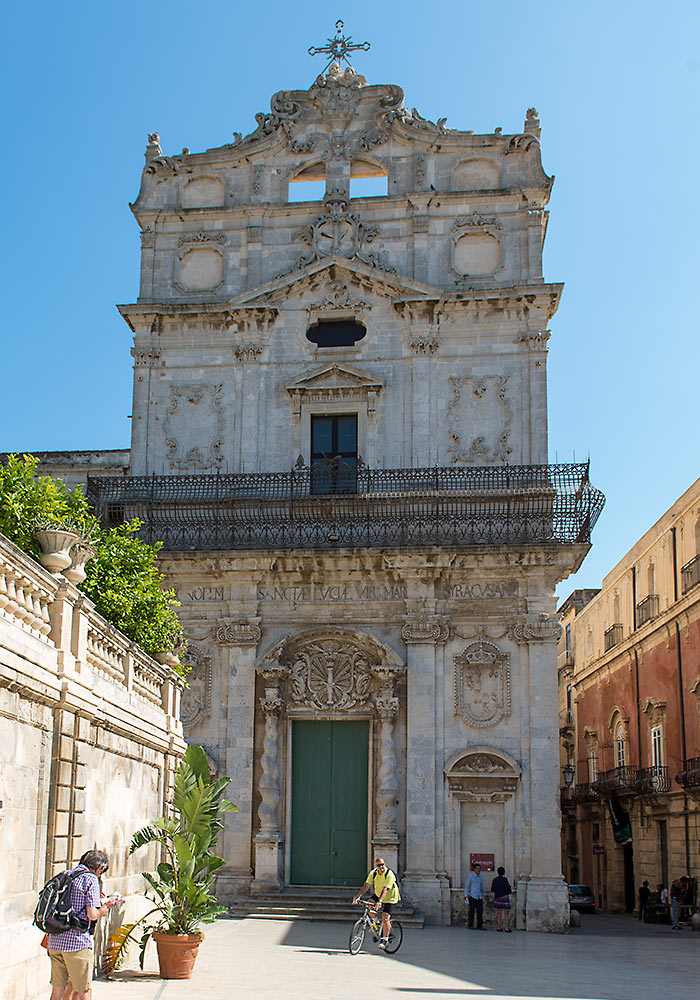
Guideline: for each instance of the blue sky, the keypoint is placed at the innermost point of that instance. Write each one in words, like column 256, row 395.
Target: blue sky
column 616, row 86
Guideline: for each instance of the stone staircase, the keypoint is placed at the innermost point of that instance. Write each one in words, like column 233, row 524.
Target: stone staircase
column 328, row 903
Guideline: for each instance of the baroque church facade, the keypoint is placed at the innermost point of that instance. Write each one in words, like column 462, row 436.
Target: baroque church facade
column 340, row 435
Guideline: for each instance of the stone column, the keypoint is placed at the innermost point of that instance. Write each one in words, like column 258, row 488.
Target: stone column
column 238, row 642
column 542, row 890
column 386, row 839
column 268, row 840
column 424, row 880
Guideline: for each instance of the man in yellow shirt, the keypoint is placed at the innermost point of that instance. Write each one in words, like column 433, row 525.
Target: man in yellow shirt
column 385, row 893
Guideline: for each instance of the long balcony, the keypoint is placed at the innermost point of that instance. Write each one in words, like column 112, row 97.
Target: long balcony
column 690, row 574
column 332, row 507
column 689, row 777
column 613, row 635
column 619, row 779
column 646, row 610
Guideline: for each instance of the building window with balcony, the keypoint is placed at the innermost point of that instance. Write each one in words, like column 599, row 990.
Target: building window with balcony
column 593, row 765
column 334, row 453
column 569, row 701
column 568, row 642
column 657, row 747
column 620, row 745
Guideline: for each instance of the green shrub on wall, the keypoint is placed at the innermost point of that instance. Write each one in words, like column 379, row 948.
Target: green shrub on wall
column 126, row 587
column 122, row 580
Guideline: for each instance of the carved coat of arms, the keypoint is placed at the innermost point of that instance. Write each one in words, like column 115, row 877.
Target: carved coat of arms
column 482, row 684
column 196, row 698
column 330, row 674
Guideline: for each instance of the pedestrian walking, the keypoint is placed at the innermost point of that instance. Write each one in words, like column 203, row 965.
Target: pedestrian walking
column 676, row 893
column 474, row 895
column 644, row 894
column 500, row 887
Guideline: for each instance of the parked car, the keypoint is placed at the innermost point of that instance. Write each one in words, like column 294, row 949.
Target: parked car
column 581, row 898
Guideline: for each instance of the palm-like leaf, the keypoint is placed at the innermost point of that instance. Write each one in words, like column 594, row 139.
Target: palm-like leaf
column 118, row 943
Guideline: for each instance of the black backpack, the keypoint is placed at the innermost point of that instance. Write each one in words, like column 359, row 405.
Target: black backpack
column 54, row 913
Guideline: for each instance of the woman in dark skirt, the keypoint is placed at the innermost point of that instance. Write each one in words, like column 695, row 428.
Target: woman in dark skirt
column 500, row 887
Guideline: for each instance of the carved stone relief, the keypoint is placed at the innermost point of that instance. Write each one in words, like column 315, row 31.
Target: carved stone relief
column 200, row 269
column 238, row 634
column 330, row 674
column 476, row 246
column 482, row 684
column 339, row 232
column 483, row 774
column 479, row 404
column 338, row 297
column 194, row 426
column 542, row 629
column 195, row 704
column 430, row 628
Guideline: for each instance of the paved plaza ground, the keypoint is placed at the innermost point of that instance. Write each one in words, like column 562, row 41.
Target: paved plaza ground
column 608, row 958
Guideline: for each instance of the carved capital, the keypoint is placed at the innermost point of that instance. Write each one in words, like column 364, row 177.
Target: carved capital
column 145, row 357
column 426, row 628
column 542, row 629
column 271, row 705
column 238, row 634
column 387, row 708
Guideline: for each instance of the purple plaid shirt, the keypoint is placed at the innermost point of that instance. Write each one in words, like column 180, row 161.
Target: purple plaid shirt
column 84, row 892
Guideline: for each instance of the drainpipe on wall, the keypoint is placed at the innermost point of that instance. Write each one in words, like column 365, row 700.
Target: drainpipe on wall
column 639, row 715
column 683, row 745
column 634, row 598
column 675, row 564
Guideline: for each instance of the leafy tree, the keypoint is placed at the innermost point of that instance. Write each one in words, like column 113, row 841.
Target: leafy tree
column 122, row 580
column 126, row 587
column 28, row 501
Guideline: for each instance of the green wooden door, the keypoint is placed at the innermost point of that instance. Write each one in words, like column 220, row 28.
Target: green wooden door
column 329, row 802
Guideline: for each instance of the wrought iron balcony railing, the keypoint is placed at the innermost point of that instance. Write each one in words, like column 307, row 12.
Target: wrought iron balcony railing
column 619, row 779
column 305, row 508
column 646, row 610
column 690, row 574
column 689, row 777
column 613, row 636
column 586, row 791
column 650, row 780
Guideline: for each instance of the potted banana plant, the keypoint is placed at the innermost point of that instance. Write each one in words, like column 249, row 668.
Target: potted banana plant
column 181, row 884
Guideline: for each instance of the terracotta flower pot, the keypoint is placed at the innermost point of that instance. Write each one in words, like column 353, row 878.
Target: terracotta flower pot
column 177, row 954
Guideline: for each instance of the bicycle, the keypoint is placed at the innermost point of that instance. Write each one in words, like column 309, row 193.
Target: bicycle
column 373, row 923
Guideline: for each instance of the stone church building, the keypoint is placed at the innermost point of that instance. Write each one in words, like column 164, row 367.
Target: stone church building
column 340, row 435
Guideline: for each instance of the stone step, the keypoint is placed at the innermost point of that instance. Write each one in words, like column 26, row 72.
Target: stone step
column 240, row 910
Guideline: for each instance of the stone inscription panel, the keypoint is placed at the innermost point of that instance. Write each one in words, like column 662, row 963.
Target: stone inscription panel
column 493, row 590
column 321, row 592
column 201, row 595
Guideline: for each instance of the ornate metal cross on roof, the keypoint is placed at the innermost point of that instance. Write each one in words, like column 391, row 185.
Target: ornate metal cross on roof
column 338, row 47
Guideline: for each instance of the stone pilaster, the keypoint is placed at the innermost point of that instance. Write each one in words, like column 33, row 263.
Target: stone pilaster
column 542, row 891
column 424, row 880
column 268, row 840
column 386, row 840
column 238, row 642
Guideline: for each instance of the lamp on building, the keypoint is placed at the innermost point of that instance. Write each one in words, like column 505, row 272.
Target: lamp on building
column 568, row 773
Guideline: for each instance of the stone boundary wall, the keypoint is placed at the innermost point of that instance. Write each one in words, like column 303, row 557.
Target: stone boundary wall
column 90, row 739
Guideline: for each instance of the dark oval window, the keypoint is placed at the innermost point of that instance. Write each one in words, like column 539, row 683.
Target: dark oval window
column 335, row 333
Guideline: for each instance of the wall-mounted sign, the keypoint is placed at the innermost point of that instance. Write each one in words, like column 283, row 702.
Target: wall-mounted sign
column 485, row 860
column 598, row 849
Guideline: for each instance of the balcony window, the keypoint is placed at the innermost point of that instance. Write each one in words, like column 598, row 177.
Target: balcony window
column 646, row 610
column 334, row 454
column 620, row 746
column 612, row 636
column 690, row 574
column 657, row 753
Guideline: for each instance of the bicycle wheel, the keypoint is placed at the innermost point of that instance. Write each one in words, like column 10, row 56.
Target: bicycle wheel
column 357, row 936
column 395, row 938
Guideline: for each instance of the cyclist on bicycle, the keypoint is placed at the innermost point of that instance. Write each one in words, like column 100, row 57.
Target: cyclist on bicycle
column 385, row 893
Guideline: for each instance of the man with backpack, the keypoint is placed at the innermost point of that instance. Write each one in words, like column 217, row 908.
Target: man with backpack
column 71, row 950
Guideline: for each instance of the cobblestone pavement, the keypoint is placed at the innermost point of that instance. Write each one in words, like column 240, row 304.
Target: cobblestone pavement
column 609, row 958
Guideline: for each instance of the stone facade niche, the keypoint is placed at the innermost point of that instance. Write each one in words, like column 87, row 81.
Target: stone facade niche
column 482, row 790
column 326, row 673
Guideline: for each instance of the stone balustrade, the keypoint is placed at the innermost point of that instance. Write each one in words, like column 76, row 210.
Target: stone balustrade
column 90, row 740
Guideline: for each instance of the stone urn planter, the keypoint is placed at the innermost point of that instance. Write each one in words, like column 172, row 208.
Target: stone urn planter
column 56, row 544
column 80, row 555
column 167, row 659
column 177, row 954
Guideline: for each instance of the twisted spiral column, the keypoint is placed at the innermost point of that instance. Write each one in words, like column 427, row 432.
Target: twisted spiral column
column 269, row 808
column 387, row 780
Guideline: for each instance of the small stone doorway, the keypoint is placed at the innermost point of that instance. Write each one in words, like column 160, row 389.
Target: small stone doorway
column 329, row 802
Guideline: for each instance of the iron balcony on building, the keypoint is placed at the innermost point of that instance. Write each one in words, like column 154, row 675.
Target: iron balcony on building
column 689, row 777
column 646, row 610
column 587, row 791
column 690, row 574
column 619, row 779
column 613, row 636
column 650, row 780
column 333, row 505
